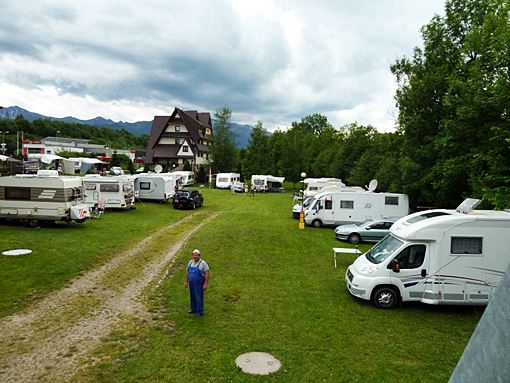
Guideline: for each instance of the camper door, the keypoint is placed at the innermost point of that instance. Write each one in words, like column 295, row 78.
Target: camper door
column 409, row 270
column 328, row 211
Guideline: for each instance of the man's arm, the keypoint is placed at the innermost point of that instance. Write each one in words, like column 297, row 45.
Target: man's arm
column 187, row 279
column 206, row 280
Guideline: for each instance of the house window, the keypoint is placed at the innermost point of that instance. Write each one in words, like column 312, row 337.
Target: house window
column 346, row 204
column 177, row 128
column 391, row 201
column 34, row 150
column 178, row 141
column 466, row 245
column 185, row 148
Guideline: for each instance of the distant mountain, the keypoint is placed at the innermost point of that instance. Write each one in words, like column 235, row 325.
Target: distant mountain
column 241, row 132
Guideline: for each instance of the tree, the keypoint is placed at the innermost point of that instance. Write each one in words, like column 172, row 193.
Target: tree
column 223, row 151
column 453, row 98
column 256, row 158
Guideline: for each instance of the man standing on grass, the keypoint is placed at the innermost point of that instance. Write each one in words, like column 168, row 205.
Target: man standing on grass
column 197, row 277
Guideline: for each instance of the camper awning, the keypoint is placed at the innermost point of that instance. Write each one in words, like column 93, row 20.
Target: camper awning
column 48, row 158
column 275, row 179
column 8, row 159
column 87, row 160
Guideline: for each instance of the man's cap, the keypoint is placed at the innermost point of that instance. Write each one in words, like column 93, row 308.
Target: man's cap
column 196, row 251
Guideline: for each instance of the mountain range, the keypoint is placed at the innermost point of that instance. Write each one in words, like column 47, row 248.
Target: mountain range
column 241, row 132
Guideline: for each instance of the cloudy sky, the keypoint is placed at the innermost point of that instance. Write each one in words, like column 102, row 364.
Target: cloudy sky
column 274, row 61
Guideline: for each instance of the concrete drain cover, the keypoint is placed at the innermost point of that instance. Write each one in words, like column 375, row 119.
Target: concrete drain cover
column 258, row 363
column 17, row 252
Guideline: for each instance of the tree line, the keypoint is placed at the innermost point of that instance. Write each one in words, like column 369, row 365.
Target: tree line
column 452, row 137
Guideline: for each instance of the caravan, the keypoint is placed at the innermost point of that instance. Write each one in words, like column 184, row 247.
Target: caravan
column 155, row 186
column 109, row 192
column 263, row 183
column 45, row 197
column 454, row 257
column 341, row 207
column 316, row 185
column 225, row 180
column 184, row 178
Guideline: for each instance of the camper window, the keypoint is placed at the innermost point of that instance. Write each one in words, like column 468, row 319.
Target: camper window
column 90, row 186
column 113, row 188
column 466, row 245
column 391, row 200
column 411, row 257
column 145, row 186
column 328, row 204
column 346, row 204
column 17, row 193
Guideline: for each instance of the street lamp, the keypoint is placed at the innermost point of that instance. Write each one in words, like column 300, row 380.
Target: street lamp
column 302, row 214
column 3, row 140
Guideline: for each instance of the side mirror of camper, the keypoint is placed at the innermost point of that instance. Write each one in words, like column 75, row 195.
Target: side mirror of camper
column 395, row 265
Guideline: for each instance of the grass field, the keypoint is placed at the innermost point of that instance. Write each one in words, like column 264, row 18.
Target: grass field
column 273, row 289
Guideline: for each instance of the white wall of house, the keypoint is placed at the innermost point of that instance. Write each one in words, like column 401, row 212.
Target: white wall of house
column 176, row 128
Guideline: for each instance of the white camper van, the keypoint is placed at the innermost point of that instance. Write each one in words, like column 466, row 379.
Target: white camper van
column 316, row 185
column 263, row 183
column 435, row 257
column 225, row 180
column 109, row 192
column 185, row 178
column 155, row 186
column 45, row 197
column 341, row 207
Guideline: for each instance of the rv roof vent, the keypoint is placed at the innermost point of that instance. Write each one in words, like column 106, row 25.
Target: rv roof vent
column 47, row 173
column 468, row 205
column 372, row 185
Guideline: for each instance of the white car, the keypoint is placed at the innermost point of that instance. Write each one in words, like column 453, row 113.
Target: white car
column 116, row 170
column 239, row 187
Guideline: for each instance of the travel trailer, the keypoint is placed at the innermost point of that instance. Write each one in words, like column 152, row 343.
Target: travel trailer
column 155, row 186
column 185, row 178
column 454, row 257
column 341, row 207
column 225, row 180
column 109, row 192
column 267, row 183
column 41, row 198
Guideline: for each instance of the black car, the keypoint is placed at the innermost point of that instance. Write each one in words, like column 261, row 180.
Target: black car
column 186, row 198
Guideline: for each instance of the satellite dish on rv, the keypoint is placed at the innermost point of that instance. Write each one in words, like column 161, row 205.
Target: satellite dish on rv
column 158, row 168
column 372, row 185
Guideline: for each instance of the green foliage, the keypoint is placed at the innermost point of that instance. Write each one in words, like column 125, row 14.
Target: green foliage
column 225, row 156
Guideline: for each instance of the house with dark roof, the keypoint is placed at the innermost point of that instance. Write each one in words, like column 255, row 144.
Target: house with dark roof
column 182, row 136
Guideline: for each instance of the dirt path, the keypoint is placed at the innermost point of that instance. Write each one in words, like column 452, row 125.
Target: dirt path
column 45, row 343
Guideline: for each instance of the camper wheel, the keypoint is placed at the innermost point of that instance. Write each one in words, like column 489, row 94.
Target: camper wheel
column 317, row 223
column 354, row 238
column 33, row 222
column 385, row 298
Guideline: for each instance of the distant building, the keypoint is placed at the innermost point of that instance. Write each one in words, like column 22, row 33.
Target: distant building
column 182, row 136
column 34, row 149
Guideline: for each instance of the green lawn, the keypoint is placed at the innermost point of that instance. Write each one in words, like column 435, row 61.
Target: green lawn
column 273, row 289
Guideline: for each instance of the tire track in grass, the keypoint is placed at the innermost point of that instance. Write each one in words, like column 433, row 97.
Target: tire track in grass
column 36, row 347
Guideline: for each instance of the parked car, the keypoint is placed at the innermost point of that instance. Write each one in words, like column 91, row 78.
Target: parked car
column 239, row 187
column 116, row 171
column 372, row 230
column 187, row 198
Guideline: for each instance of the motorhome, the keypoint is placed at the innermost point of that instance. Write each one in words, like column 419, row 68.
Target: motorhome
column 341, row 207
column 315, row 185
column 43, row 197
column 225, row 180
column 185, row 178
column 437, row 257
column 155, row 186
column 109, row 192
column 267, row 183
column 296, row 209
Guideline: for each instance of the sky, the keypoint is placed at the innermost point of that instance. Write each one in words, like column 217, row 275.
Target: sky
column 271, row 61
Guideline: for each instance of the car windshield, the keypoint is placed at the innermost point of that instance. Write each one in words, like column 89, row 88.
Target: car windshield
column 366, row 223
column 307, row 201
column 383, row 249
column 183, row 193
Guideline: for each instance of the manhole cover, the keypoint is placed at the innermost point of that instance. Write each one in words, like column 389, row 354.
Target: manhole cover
column 17, row 252
column 258, row 363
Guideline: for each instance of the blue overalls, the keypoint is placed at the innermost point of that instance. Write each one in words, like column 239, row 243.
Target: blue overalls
column 196, row 289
